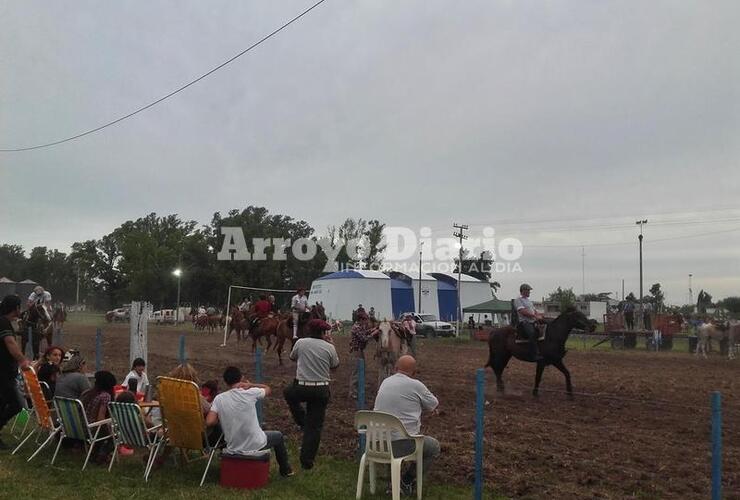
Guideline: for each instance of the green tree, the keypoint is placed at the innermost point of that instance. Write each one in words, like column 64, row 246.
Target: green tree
column 732, row 304
column 373, row 236
column 12, row 262
column 657, row 297
column 565, row 297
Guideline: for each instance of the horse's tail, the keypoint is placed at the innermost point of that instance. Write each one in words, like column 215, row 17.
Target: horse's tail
column 491, row 351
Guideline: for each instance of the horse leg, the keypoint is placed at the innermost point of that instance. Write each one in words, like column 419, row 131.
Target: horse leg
column 538, row 377
column 500, row 360
column 568, row 386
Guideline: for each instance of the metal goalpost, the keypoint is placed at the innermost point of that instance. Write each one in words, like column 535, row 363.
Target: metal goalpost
column 228, row 303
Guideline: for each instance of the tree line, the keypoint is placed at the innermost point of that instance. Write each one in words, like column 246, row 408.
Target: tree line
column 137, row 259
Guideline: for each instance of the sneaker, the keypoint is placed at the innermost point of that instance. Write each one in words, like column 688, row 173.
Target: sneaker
column 287, row 473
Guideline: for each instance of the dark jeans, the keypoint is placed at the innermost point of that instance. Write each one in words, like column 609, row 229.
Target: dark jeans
column 403, row 447
column 532, row 334
column 35, row 341
column 277, row 443
column 311, row 420
column 629, row 320
column 10, row 403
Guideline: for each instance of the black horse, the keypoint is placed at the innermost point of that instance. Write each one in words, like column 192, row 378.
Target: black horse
column 502, row 345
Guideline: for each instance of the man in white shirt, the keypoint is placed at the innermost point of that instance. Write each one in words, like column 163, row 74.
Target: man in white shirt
column 528, row 317
column 41, row 297
column 405, row 397
column 236, row 411
column 298, row 306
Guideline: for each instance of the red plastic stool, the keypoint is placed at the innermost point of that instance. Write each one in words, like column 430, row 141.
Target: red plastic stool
column 245, row 471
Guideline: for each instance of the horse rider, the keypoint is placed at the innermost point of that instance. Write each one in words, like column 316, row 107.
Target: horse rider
column 298, row 306
column 262, row 309
column 202, row 311
column 245, row 305
column 41, row 297
column 528, row 317
column 273, row 305
column 371, row 314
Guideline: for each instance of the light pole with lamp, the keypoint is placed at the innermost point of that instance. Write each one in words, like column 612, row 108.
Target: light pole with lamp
column 178, row 272
column 642, row 314
column 421, row 248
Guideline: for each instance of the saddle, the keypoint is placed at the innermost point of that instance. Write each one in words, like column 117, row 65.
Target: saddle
column 521, row 336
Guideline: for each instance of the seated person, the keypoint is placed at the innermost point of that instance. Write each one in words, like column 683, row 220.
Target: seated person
column 209, row 390
column 73, row 381
column 235, row 410
column 138, row 375
column 48, row 374
column 96, row 402
column 405, row 397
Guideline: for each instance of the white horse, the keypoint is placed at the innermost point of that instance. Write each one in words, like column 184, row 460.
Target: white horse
column 707, row 331
column 391, row 345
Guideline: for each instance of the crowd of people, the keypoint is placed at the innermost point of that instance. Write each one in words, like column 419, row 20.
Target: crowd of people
column 231, row 413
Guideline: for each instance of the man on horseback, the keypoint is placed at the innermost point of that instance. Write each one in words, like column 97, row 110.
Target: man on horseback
column 41, row 297
column 298, row 306
column 528, row 317
column 262, row 309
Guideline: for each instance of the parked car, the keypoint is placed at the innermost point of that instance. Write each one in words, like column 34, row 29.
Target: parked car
column 116, row 315
column 427, row 325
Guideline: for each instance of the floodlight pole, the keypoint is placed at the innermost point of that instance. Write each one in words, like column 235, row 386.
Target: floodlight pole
column 642, row 315
column 461, row 235
column 421, row 248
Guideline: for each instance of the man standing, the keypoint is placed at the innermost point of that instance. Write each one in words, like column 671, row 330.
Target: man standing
column 236, row 411
column 298, row 306
column 629, row 315
column 359, row 337
column 528, row 316
column 406, row 398
column 647, row 308
column 11, row 357
column 316, row 357
column 273, row 304
column 371, row 314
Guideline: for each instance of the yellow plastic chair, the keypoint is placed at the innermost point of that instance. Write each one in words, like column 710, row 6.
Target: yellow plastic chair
column 380, row 430
column 45, row 421
column 182, row 417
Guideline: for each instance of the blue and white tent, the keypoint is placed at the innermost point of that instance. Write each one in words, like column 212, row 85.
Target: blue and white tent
column 429, row 295
column 343, row 291
column 472, row 291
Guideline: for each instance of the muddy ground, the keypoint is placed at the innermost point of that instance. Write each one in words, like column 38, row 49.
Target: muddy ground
column 639, row 425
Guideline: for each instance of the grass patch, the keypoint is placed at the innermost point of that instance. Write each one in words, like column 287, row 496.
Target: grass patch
column 329, row 480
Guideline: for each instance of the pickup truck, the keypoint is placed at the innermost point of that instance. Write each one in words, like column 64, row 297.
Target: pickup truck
column 427, row 325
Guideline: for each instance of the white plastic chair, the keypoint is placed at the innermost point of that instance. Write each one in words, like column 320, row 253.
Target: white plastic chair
column 380, row 430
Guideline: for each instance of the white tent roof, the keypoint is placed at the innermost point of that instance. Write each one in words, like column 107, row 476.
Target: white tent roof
column 465, row 278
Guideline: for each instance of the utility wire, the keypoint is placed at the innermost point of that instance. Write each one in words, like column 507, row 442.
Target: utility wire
column 176, row 91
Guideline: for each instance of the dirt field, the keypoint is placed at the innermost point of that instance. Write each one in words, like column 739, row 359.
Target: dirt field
column 638, row 426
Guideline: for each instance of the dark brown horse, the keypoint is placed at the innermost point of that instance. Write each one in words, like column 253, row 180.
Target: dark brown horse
column 237, row 323
column 37, row 319
column 285, row 328
column 502, row 345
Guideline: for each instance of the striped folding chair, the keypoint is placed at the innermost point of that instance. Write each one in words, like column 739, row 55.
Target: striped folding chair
column 129, row 429
column 45, row 422
column 74, row 425
column 185, row 427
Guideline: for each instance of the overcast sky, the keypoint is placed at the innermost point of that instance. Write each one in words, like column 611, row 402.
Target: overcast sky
column 544, row 116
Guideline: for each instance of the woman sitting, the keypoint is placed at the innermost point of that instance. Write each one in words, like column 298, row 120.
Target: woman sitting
column 73, row 381
column 96, row 402
column 48, row 374
column 186, row 371
column 53, row 354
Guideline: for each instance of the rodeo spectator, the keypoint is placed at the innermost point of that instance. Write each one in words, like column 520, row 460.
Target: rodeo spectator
column 406, row 397
column 236, row 411
column 73, row 381
column 96, row 402
column 298, row 306
column 629, row 315
column 137, row 376
column 359, row 337
column 11, row 357
column 53, row 354
column 315, row 356
column 409, row 325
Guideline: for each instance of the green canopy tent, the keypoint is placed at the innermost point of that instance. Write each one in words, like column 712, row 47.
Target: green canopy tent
column 493, row 306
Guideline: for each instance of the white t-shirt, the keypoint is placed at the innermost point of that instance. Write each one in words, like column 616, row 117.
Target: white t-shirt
column 406, row 398
column 299, row 303
column 142, row 381
column 525, row 303
column 238, row 417
column 44, row 298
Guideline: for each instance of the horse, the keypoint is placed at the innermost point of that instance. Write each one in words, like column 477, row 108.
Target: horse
column 266, row 328
column 237, row 323
column 59, row 316
column 718, row 331
column 284, row 329
column 36, row 318
column 502, row 345
column 391, row 343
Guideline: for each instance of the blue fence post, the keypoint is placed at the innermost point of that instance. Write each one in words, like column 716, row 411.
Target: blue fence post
column 716, row 445
column 480, row 380
column 361, row 396
column 181, row 352
column 98, row 350
column 258, row 380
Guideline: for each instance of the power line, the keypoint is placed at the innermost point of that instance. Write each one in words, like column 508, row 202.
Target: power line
column 657, row 240
column 176, row 91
